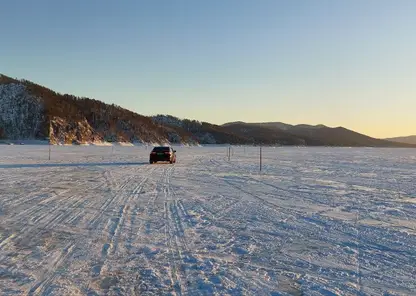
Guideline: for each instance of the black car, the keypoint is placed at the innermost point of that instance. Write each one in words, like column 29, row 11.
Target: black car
column 162, row 153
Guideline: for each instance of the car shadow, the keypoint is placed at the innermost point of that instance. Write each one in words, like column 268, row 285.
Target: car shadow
column 83, row 164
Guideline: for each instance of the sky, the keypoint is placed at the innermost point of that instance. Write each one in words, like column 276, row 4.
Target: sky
column 339, row 63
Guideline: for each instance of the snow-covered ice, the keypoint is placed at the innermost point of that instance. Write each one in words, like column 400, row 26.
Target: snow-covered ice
column 102, row 221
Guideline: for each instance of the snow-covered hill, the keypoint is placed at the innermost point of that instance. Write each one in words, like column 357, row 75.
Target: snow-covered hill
column 29, row 111
column 21, row 114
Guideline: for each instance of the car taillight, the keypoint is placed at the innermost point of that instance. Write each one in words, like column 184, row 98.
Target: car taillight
column 167, row 152
column 153, row 153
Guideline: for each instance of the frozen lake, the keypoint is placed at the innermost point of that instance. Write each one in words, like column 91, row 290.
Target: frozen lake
column 102, row 221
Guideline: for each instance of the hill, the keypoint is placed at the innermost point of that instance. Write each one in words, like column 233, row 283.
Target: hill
column 287, row 127
column 314, row 135
column 407, row 140
column 201, row 132
column 29, row 111
column 258, row 134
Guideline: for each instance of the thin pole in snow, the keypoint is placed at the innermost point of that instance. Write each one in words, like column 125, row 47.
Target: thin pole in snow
column 49, row 139
column 260, row 158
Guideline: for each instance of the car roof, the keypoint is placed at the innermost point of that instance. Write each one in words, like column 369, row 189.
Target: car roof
column 162, row 147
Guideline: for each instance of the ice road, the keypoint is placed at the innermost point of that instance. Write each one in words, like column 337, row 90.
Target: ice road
column 102, row 221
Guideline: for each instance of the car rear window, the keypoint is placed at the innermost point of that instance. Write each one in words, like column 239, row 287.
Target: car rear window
column 161, row 149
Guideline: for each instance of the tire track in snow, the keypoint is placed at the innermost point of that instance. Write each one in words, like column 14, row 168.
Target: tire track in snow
column 54, row 215
column 387, row 250
column 42, row 210
column 246, row 192
column 126, row 211
column 293, row 193
column 295, row 214
column 112, row 199
column 174, row 232
column 16, row 200
column 230, row 279
column 6, row 240
column 139, row 259
column 228, row 208
column 344, row 228
column 151, row 203
column 139, row 232
column 115, row 225
column 236, row 201
column 109, row 180
column 39, row 233
column 48, row 278
column 122, row 200
column 46, row 218
column 135, row 210
column 264, row 201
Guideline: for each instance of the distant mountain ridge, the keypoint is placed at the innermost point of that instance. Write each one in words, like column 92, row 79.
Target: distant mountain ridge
column 315, row 135
column 287, row 127
column 30, row 111
column 408, row 139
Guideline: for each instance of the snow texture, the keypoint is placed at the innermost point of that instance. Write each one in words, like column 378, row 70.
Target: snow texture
column 102, row 221
column 21, row 115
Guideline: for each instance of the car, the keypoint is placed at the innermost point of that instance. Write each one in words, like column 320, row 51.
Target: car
column 162, row 153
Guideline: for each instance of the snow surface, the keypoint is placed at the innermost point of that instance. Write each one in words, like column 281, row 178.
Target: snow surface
column 102, row 221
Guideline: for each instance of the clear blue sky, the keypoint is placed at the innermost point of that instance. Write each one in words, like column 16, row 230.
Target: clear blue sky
column 350, row 63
